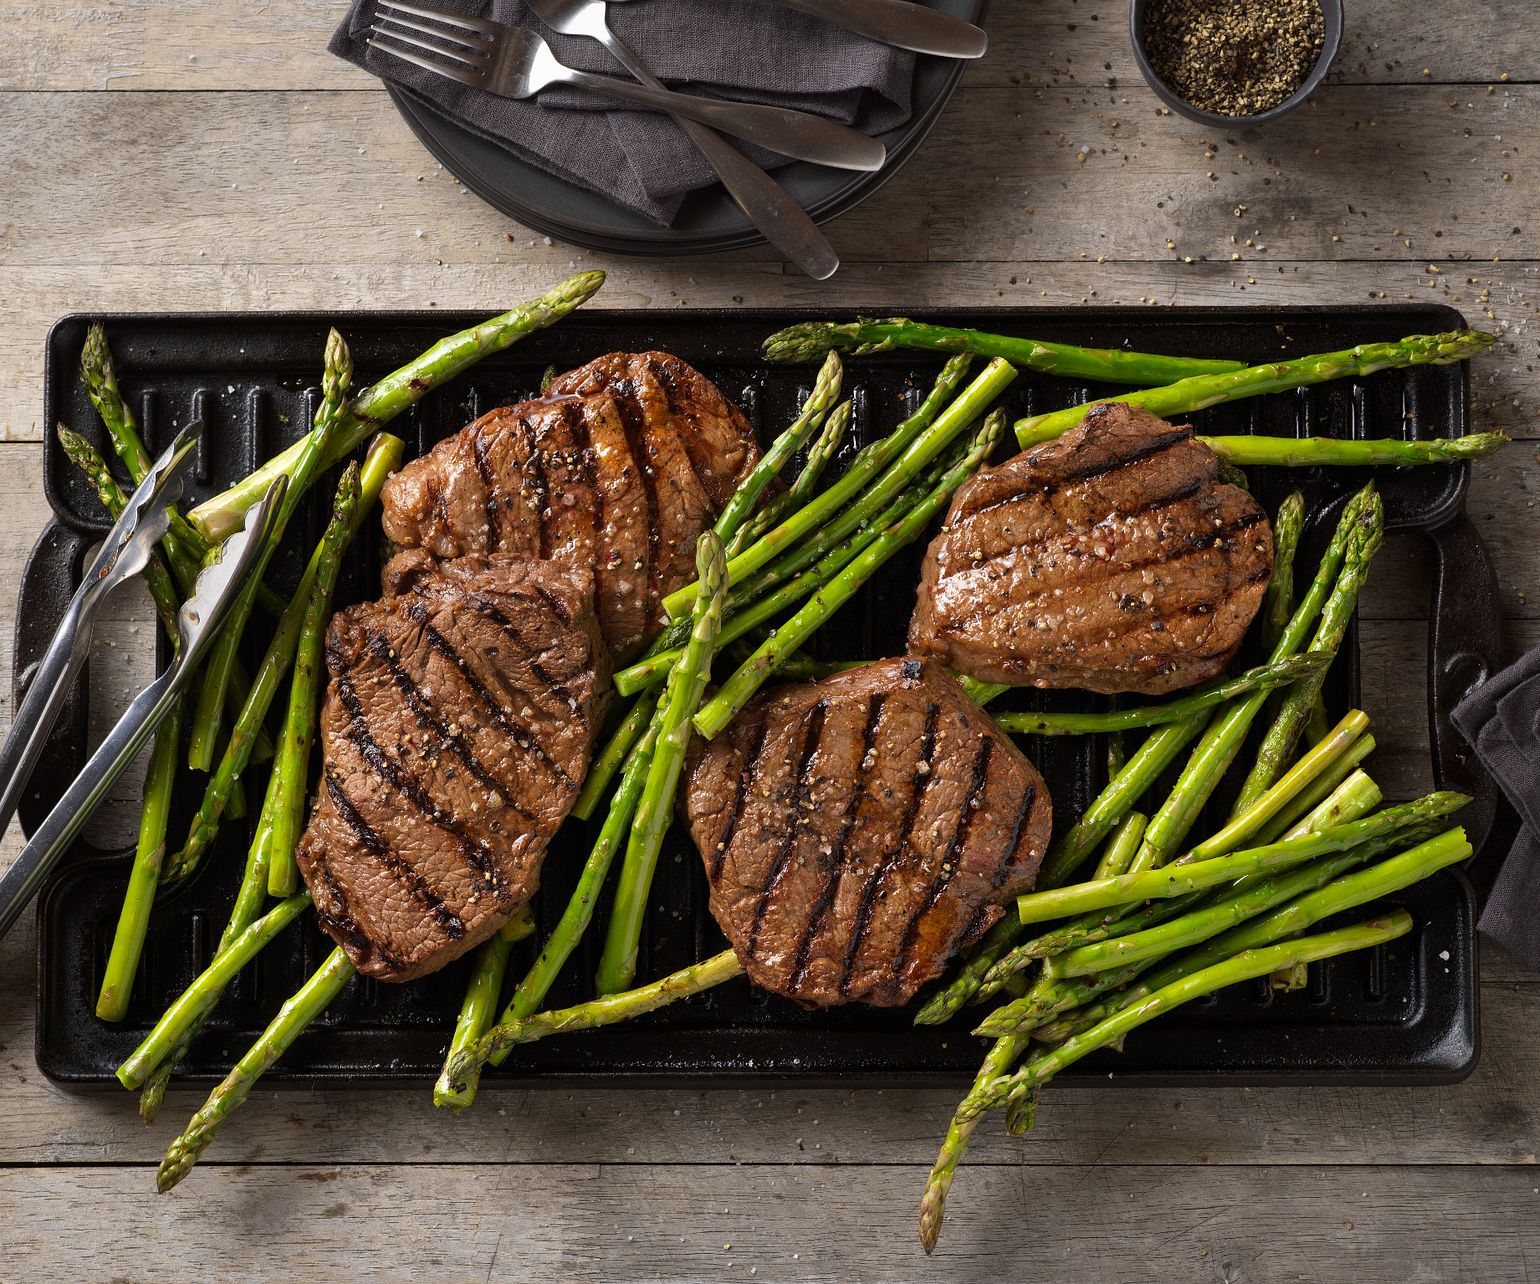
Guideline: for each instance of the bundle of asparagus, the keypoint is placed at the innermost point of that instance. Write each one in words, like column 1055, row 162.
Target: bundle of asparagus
column 1156, row 926
column 777, row 564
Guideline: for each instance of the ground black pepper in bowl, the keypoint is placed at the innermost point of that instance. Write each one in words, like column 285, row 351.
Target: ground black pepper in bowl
column 1233, row 57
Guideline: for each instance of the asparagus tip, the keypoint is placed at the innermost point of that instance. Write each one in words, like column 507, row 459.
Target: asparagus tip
column 801, row 342
column 932, row 1212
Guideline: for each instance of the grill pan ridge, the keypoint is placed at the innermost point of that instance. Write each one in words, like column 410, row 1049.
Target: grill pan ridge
column 1406, row 1013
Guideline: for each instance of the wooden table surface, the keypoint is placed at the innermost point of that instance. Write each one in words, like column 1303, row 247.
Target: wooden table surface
column 211, row 155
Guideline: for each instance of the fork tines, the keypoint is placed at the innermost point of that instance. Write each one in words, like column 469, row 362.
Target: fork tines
column 466, row 55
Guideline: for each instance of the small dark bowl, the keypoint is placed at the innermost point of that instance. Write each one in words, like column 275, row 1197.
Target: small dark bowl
column 1330, row 9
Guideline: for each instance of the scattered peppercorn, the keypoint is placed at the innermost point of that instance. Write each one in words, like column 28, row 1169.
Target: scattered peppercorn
column 1234, row 57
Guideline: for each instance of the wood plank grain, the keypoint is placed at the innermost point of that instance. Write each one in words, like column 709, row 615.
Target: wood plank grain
column 604, row 1222
column 223, row 44
column 235, row 175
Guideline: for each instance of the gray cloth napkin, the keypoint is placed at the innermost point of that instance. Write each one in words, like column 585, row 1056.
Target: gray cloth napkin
column 1501, row 722
column 749, row 50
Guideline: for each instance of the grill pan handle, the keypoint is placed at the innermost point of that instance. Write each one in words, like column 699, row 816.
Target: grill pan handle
column 1465, row 648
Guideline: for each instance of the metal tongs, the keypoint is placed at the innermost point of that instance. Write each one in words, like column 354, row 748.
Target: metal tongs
column 125, row 552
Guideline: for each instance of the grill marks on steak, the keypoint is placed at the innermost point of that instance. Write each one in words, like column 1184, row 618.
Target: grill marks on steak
column 858, row 830
column 456, row 729
column 1113, row 559
column 618, row 472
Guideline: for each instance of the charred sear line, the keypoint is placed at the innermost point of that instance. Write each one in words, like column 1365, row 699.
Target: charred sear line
column 479, row 447
column 398, row 869
column 1023, row 814
column 518, row 734
column 535, row 467
column 821, row 907
column 575, row 417
column 1156, row 445
column 396, row 775
column 429, row 721
column 636, row 443
column 337, row 919
column 924, row 774
column 1179, row 494
column 484, row 605
column 740, row 796
column 794, row 821
column 554, row 604
column 954, row 853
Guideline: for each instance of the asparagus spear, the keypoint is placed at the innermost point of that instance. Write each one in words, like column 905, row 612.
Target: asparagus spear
column 1426, row 852
column 1206, row 921
column 1356, row 796
column 1096, row 927
column 144, row 876
column 480, row 1003
column 558, row 947
column 992, row 1087
column 1119, row 920
column 298, row 1011
column 250, row 897
column 292, row 767
column 1294, row 710
column 790, row 636
column 1262, row 678
column 849, row 522
column 378, row 404
column 748, row 618
column 686, row 685
column 612, row 756
column 1267, row 805
column 609, row 1009
column 1002, row 1055
column 216, row 669
column 1278, row 600
column 1159, row 884
column 1187, row 395
column 383, row 457
column 1317, row 452
column 740, row 504
column 927, row 425
column 1242, row 966
column 819, row 455
column 199, row 998
column 868, row 335
column 1122, row 846
column 1224, row 737
column 183, row 543
column 1066, row 856
column 1319, row 789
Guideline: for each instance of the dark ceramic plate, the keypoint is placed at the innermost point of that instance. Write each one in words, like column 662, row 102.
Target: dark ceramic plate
column 709, row 220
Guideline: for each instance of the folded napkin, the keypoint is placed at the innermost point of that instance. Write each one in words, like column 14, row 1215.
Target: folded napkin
column 1501, row 722
column 749, row 50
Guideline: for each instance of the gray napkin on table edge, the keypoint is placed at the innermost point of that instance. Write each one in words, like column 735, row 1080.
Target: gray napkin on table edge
column 1501, row 721
column 748, row 50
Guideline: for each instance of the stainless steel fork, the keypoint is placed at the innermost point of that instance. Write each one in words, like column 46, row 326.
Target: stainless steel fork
column 769, row 206
column 513, row 62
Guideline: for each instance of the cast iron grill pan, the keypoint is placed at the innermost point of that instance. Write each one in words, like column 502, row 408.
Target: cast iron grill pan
column 1405, row 1013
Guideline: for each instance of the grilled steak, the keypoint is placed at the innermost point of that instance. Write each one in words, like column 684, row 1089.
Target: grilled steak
column 456, row 732
column 618, row 472
column 1112, row 559
column 860, row 829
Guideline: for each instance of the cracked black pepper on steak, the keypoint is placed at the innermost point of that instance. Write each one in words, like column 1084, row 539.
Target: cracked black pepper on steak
column 1234, row 57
